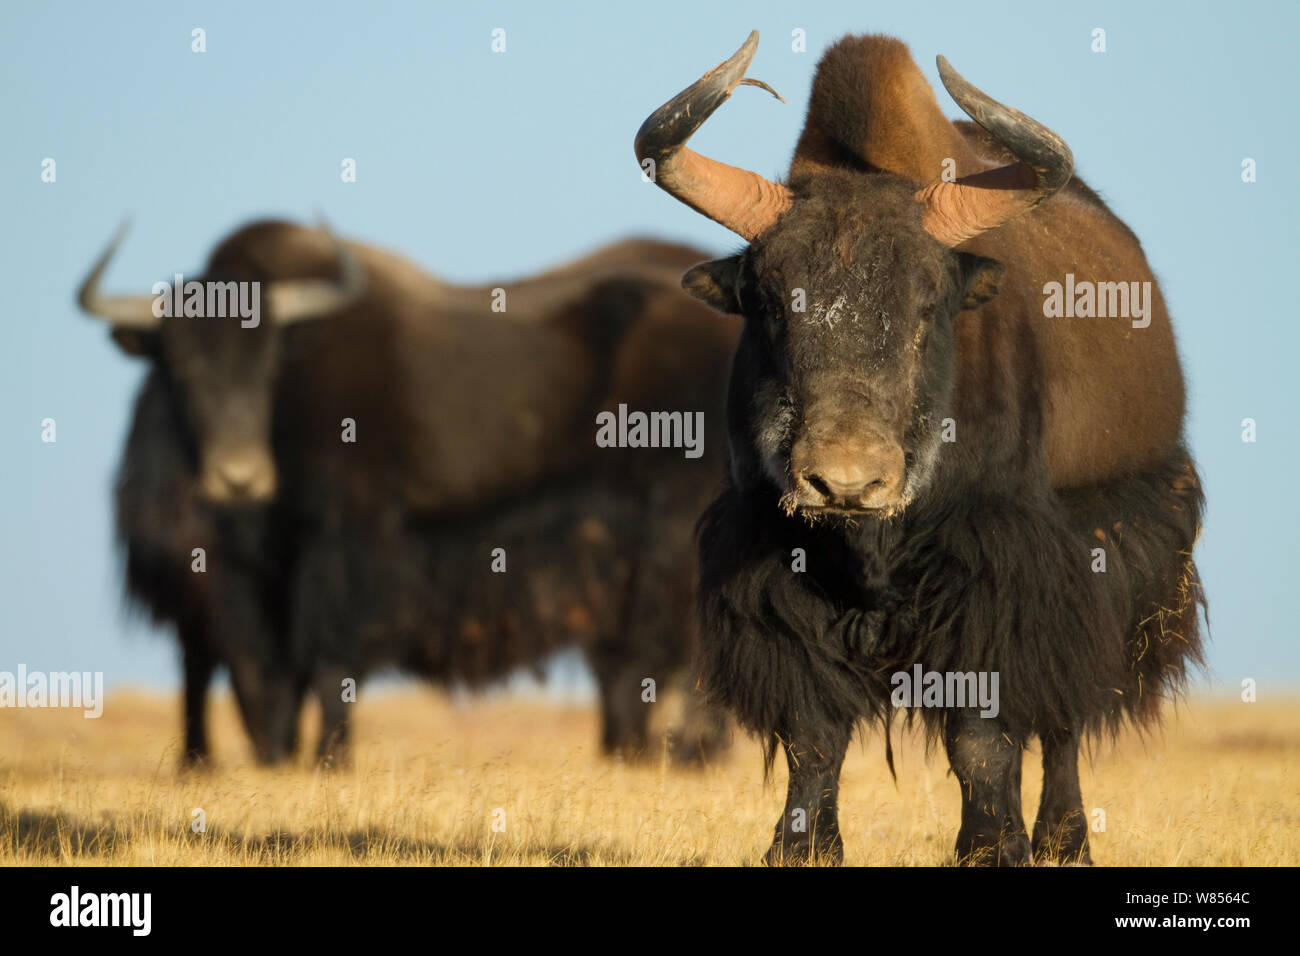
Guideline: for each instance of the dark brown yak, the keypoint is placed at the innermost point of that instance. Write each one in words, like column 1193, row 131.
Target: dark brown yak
column 474, row 430
column 953, row 464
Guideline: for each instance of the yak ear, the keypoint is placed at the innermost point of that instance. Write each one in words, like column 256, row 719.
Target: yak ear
column 714, row 283
column 138, row 342
column 980, row 279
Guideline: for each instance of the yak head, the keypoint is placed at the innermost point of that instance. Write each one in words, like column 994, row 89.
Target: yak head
column 850, row 288
column 219, row 339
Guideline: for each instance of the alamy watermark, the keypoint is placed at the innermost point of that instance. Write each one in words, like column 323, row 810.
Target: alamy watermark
column 946, row 689
column 130, row 910
column 75, row 689
column 212, row 300
column 1084, row 299
column 626, row 429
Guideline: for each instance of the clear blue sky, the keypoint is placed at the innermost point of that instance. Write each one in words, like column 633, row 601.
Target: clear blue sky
column 478, row 165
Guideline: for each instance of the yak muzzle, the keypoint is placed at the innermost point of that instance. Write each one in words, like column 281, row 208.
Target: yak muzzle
column 851, row 474
column 239, row 478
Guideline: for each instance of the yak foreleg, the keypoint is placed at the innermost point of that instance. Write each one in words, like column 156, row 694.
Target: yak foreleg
column 199, row 663
column 259, row 672
column 625, row 715
column 809, row 829
column 987, row 765
column 1061, row 830
column 335, row 747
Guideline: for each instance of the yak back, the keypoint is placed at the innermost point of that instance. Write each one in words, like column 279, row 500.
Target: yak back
column 451, row 405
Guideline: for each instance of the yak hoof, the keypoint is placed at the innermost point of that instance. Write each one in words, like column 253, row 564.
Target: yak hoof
column 829, row 851
column 1009, row 851
column 1066, row 845
column 194, row 762
column 335, row 758
column 698, row 752
column 1080, row 856
column 334, row 763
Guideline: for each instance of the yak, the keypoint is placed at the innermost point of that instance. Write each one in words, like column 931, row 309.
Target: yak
column 930, row 470
column 382, row 469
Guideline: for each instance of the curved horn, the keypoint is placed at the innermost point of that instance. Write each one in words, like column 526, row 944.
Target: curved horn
column 296, row 300
column 741, row 200
column 960, row 210
column 130, row 311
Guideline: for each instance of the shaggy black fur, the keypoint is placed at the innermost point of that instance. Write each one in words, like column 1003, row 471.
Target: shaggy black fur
column 968, row 579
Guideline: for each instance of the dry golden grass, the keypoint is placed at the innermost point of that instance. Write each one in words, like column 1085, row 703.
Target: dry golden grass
column 1217, row 786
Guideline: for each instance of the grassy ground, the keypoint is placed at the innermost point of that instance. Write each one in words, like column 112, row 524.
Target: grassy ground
column 1218, row 785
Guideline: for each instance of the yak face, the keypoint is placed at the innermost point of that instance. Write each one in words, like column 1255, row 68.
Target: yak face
column 847, row 361
column 222, row 357
column 850, row 285
column 224, row 376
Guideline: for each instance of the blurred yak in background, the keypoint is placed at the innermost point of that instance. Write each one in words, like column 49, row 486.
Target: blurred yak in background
column 386, row 470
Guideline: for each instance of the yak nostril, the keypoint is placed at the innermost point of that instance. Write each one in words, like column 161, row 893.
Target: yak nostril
column 847, row 475
column 238, row 478
column 852, row 489
column 818, row 485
